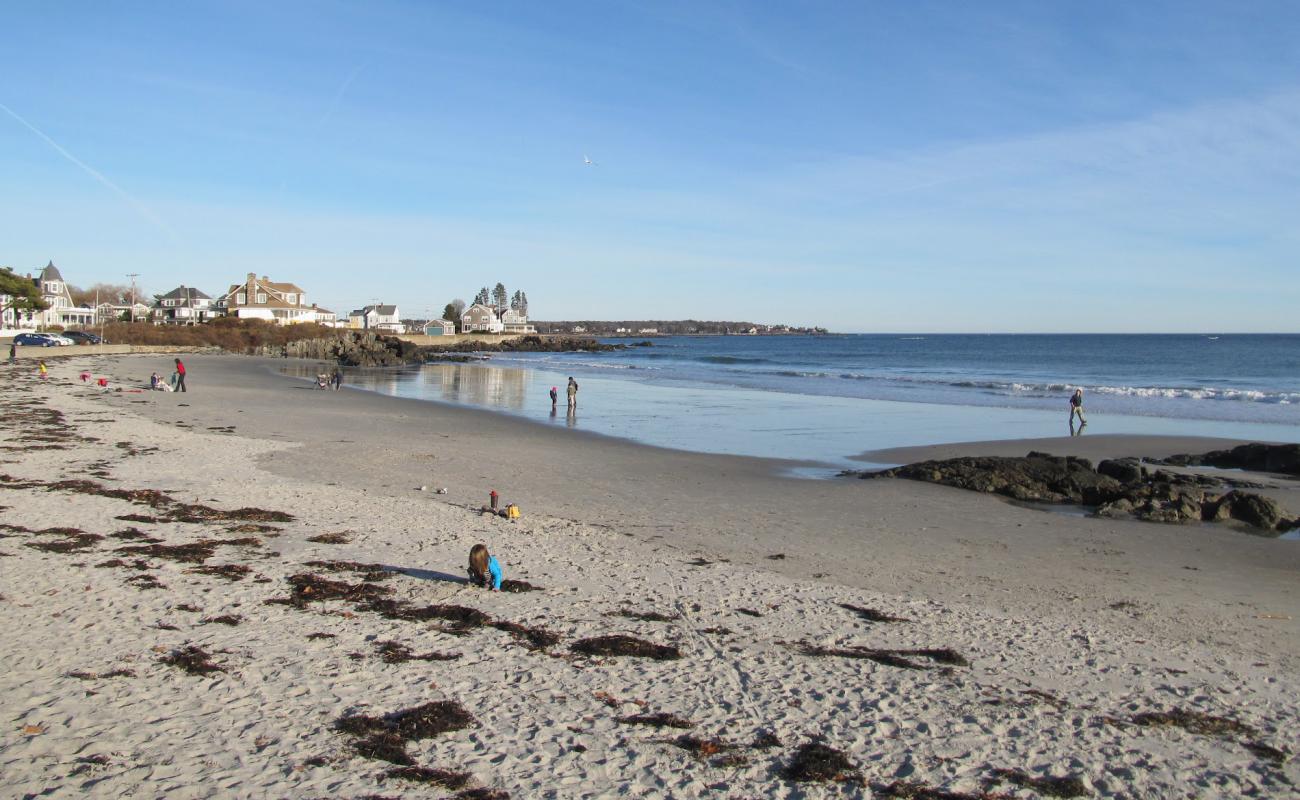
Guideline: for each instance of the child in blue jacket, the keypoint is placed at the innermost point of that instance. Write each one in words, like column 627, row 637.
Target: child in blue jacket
column 484, row 569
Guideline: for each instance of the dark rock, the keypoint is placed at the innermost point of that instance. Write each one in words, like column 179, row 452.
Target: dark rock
column 1252, row 509
column 1038, row 477
column 1256, row 457
column 1124, row 470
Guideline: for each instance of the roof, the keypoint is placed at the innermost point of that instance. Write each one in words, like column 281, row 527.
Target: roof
column 51, row 273
column 272, row 289
column 185, row 292
column 442, row 322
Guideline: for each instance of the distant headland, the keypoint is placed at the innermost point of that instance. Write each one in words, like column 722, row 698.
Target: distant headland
column 681, row 327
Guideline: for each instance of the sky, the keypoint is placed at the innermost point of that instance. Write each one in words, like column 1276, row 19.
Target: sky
column 1038, row 166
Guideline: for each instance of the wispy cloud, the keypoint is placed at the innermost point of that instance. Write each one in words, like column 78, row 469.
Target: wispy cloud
column 139, row 207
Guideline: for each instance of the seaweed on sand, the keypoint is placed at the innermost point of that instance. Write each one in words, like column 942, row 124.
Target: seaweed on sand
column 462, row 619
column 623, row 645
column 319, row 635
column 145, row 582
column 72, row 542
column 189, row 553
column 192, row 659
column 331, row 538
column 912, row 790
column 871, row 614
column 137, row 563
column 749, row 612
column 225, row 619
column 517, row 587
column 1261, row 750
column 444, row 778
column 308, row 588
column 369, row 572
column 482, row 793
column 890, row 658
column 231, row 572
column 384, row 738
column 395, row 653
column 817, row 762
column 1193, row 722
column 532, row 638
column 700, row 747
column 90, row 676
column 648, row 616
column 1045, row 785
column 659, row 719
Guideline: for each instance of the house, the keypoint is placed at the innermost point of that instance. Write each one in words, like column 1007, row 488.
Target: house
column 61, row 310
column 516, row 321
column 650, row 331
column 377, row 318
column 440, row 327
column 183, row 305
column 124, row 312
column 480, row 318
column 262, row 298
column 327, row 318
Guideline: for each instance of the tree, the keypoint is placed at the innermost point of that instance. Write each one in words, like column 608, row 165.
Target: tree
column 116, row 294
column 500, row 298
column 482, row 297
column 19, row 293
column 452, row 311
column 519, row 302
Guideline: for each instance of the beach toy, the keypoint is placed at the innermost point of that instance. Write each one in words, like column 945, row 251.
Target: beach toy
column 492, row 497
column 103, row 382
column 512, row 511
column 85, row 376
column 442, row 490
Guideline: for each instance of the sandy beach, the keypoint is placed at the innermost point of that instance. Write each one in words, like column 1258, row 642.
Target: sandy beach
column 937, row 639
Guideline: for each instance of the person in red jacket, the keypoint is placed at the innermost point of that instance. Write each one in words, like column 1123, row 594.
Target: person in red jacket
column 180, row 376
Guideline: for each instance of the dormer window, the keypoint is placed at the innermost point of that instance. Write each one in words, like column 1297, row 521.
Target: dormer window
column 291, row 299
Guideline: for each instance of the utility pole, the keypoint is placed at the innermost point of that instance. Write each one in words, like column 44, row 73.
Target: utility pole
column 133, row 276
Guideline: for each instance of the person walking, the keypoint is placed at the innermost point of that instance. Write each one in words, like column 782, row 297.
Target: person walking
column 555, row 396
column 1076, row 407
column 336, row 380
column 41, row 369
column 573, row 392
column 13, row 354
column 180, row 376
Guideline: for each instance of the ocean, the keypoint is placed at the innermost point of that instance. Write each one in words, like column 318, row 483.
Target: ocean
column 827, row 399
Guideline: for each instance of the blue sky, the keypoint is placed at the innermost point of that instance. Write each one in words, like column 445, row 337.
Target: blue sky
column 865, row 166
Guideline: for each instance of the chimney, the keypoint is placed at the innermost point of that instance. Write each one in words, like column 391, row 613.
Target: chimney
column 252, row 276
column 265, row 279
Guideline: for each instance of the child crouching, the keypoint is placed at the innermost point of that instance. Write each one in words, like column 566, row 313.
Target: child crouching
column 484, row 570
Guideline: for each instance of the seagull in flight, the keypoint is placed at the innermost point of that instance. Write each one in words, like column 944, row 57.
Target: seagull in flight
column 589, row 162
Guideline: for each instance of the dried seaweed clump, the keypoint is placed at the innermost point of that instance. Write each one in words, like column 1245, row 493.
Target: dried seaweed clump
column 395, row 653
column 871, row 614
column 90, row 676
column 913, row 790
column 703, row 748
column 308, row 588
column 518, row 587
column 340, row 537
column 1045, row 785
column 890, row 658
column 444, row 778
column 532, row 638
column 369, row 572
column 623, row 645
column 192, row 659
column 190, row 553
column 816, row 762
column 384, row 738
column 648, row 616
column 659, row 719
column 225, row 619
column 73, row 541
column 461, row 619
column 1193, row 722
column 231, row 572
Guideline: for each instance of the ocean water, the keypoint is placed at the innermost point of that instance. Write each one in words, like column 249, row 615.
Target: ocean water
column 826, row 399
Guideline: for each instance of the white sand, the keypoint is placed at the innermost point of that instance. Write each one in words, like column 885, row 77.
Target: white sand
column 1025, row 596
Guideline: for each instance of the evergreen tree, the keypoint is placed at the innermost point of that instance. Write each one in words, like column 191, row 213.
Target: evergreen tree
column 499, row 297
column 482, row 297
column 20, row 293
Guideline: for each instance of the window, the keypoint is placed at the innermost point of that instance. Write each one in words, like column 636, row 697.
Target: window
column 241, row 299
column 169, row 303
column 291, row 299
column 261, row 297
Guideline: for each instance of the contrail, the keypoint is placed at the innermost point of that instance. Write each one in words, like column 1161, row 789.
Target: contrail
column 338, row 96
column 94, row 173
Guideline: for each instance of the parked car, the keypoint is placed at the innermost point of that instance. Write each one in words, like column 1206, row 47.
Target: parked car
column 82, row 337
column 38, row 340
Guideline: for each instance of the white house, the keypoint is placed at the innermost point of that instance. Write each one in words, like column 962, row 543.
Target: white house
column 184, row 305
column 61, row 311
column 516, row 321
column 281, row 303
column 377, row 318
column 480, row 318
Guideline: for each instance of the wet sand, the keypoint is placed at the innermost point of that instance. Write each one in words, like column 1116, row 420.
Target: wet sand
column 1110, row 618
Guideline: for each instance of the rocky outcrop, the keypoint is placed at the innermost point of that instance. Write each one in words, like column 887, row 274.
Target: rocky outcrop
column 368, row 349
column 1116, row 488
column 1279, row 458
